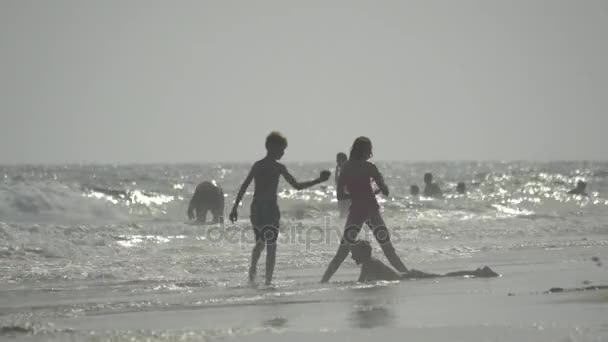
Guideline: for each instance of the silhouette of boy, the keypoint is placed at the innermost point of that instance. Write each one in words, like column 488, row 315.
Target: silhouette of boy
column 265, row 213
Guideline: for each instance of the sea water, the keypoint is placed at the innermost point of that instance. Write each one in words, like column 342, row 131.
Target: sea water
column 80, row 240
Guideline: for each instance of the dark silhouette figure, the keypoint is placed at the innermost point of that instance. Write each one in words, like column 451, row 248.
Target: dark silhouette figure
column 373, row 269
column 414, row 190
column 461, row 188
column 343, row 204
column 580, row 189
column 431, row 189
column 207, row 198
column 356, row 176
column 265, row 213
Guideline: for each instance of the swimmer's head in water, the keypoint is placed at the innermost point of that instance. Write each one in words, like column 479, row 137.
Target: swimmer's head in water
column 276, row 144
column 361, row 251
column 461, row 188
column 581, row 185
column 414, row 190
column 362, row 149
column 428, row 178
column 341, row 158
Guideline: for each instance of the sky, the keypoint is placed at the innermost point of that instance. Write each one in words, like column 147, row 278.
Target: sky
column 141, row 81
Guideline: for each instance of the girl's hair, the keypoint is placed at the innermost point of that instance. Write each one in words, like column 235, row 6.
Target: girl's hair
column 361, row 150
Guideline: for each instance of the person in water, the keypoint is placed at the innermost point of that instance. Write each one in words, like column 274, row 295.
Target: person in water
column 431, row 189
column 373, row 269
column 265, row 213
column 580, row 189
column 343, row 204
column 207, row 197
column 414, row 190
column 461, row 188
column 356, row 176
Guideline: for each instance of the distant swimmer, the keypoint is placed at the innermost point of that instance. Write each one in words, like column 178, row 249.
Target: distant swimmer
column 431, row 189
column 343, row 204
column 580, row 189
column 414, row 190
column 207, row 197
column 461, row 188
column 373, row 269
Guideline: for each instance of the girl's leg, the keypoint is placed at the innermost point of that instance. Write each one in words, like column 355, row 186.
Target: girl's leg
column 335, row 263
column 351, row 229
column 384, row 239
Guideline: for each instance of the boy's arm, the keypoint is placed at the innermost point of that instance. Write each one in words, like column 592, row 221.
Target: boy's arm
column 379, row 180
column 241, row 193
column 300, row 186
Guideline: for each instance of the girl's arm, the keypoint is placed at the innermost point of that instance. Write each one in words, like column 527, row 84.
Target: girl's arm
column 379, row 180
column 341, row 188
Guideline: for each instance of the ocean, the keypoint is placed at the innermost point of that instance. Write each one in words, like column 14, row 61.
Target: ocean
column 106, row 253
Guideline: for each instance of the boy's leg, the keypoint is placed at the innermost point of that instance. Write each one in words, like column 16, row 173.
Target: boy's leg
column 270, row 235
column 259, row 242
column 271, row 256
column 384, row 239
column 255, row 256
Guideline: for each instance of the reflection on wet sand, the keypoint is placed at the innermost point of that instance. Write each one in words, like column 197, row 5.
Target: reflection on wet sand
column 372, row 311
column 277, row 322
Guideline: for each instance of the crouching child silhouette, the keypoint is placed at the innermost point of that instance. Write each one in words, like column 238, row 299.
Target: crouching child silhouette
column 265, row 213
column 373, row 269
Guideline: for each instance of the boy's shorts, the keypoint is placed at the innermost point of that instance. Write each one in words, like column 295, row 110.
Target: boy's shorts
column 265, row 216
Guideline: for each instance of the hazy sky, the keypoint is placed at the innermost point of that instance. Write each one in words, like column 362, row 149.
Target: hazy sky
column 179, row 81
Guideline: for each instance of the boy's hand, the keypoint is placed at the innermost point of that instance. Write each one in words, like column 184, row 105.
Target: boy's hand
column 324, row 175
column 233, row 215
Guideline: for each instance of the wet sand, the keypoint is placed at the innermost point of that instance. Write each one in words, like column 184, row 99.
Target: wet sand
column 519, row 305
